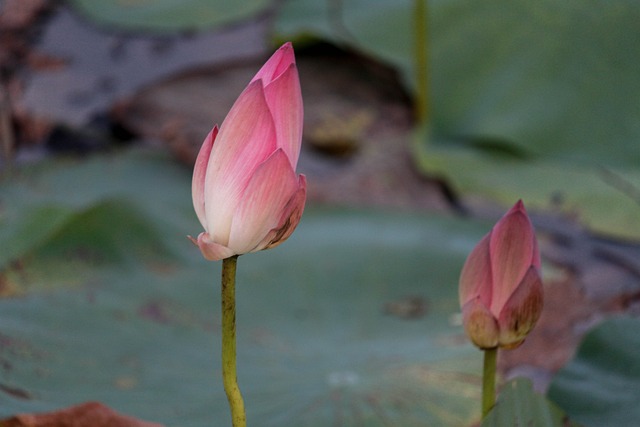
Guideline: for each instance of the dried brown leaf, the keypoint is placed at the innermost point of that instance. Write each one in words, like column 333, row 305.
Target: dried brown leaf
column 90, row 414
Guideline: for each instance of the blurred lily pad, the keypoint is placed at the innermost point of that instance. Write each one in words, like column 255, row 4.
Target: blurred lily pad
column 327, row 327
column 168, row 16
column 551, row 79
column 600, row 386
column 519, row 405
column 538, row 101
column 585, row 193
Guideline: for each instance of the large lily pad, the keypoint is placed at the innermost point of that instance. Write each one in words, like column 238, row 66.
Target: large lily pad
column 600, row 386
column 538, row 101
column 581, row 192
column 164, row 16
column 547, row 79
column 348, row 322
column 519, row 405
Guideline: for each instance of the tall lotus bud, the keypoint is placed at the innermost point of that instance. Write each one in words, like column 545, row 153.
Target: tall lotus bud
column 245, row 190
column 500, row 284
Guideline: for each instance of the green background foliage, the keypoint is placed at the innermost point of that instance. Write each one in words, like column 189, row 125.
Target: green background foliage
column 600, row 386
column 352, row 320
column 519, row 405
column 534, row 99
column 167, row 16
column 531, row 100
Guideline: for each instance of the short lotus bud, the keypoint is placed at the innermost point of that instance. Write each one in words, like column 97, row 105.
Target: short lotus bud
column 500, row 286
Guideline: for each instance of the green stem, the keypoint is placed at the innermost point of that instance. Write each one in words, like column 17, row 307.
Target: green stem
column 229, row 377
column 421, row 41
column 489, row 380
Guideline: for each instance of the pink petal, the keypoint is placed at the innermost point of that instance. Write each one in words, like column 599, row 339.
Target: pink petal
column 246, row 139
column 536, row 255
column 263, row 202
column 211, row 250
column 479, row 324
column 284, row 98
column 289, row 220
column 522, row 310
column 276, row 65
column 199, row 173
column 475, row 278
column 512, row 246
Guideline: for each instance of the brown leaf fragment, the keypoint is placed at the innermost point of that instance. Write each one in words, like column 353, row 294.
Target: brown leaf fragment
column 18, row 14
column 90, row 414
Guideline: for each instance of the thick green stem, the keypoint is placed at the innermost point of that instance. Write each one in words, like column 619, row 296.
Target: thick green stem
column 489, row 380
column 421, row 63
column 229, row 377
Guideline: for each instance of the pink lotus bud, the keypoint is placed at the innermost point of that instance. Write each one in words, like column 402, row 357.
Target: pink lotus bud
column 245, row 190
column 500, row 284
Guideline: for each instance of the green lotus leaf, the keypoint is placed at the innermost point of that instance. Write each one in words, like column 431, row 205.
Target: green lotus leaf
column 167, row 16
column 599, row 386
column 352, row 320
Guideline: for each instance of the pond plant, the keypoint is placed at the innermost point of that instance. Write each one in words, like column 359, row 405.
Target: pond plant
column 246, row 193
column 501, row 292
